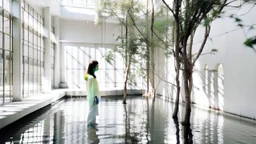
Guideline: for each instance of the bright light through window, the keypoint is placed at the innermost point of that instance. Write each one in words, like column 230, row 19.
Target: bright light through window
column 80, row 3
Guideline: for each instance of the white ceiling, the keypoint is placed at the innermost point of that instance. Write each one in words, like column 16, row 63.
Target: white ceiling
column 53, row 4
column 68, row 12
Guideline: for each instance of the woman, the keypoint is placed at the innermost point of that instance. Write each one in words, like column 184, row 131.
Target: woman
column 92, row 90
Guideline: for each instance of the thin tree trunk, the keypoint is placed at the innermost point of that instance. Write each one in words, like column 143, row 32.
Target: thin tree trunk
column 177, row 100
column 127, row 71
column 152, row 51
column 177, row 59
column 126, row 64
column 147, row 35
column 126, row 40
column 186, row 76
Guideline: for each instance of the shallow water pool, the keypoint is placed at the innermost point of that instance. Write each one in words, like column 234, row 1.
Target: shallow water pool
column 139, row 121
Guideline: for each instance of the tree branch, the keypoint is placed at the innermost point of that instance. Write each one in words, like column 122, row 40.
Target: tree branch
column 174, row 15
column 206, row 35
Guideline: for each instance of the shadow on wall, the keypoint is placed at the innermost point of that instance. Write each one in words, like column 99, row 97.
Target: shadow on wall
column 212, row 86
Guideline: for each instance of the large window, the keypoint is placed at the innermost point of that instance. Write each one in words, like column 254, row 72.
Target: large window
column 109, row 75
column 33, row 50
column 5, row 51
column 83, row 3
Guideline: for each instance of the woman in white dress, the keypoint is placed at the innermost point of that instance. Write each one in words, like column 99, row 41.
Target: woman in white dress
column 92, row 90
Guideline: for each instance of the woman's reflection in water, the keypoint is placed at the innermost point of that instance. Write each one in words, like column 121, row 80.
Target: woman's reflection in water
column 92, row 137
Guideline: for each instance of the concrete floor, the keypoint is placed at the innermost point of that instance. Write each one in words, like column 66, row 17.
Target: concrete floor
column 137, row 122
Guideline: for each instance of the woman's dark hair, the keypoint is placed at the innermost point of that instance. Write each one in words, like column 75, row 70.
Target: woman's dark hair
column 91, row 67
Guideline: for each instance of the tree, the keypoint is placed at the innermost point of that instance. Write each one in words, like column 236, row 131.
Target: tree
column 188, row 16
column 131, row 43
column 141, row 38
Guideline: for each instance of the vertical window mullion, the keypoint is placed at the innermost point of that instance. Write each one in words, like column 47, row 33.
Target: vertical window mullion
column 28, row 54
column 10, row 60
column 38, row 55
column 33, row 57
column 3, row 49
column 3, row 56
column 23, row 60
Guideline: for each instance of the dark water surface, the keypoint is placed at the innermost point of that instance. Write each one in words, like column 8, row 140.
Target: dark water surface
column 137, row 122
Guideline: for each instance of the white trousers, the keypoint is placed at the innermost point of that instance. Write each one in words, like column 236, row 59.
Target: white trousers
column 93, row 112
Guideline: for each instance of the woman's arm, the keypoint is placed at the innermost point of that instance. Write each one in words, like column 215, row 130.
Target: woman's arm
column 91, row 91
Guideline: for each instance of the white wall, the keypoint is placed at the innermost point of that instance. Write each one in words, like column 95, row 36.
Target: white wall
column 87, row 32
column 238, row 62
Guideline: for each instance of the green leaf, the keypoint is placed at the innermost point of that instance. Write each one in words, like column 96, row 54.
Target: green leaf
column 240, row 25
column 214, row 50
column 250, row 42
column 238, row 19
column 207, row 22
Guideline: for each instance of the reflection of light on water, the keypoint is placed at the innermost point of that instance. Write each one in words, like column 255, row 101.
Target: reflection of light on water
column 139, row 121
column 34, row 134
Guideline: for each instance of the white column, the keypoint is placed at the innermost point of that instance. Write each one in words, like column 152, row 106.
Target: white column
column 47, row 55
column 209, row 88
column 215, row 89
column 63, row 80
column 17, row 50
column 57, row 52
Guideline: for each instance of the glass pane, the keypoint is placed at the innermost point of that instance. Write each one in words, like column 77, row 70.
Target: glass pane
column 7, row 5
column 1, row 40
column 26, row 6
column 25, row 51
column 42, row 57
column 7, row 42
column 1, row 73
column 35, row 53
column 25, row 17
column 31, row 52
column 1, row 22
column 31, row 21
column 30, row 37
column 7, row 68
column 26, row 34
column 7, row 25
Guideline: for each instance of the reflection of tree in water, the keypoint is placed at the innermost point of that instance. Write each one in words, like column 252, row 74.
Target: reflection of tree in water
column 186, row 131
column 147, row 123
column 176, row 122
column 130, row 137
column 188, row 136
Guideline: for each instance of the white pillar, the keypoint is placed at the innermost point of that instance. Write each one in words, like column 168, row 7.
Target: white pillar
column 57, row 52
column 209, row 88
column 215, row 87
column 63, row 80
column 17, row 50
column 47, row 55
column 62, row 58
